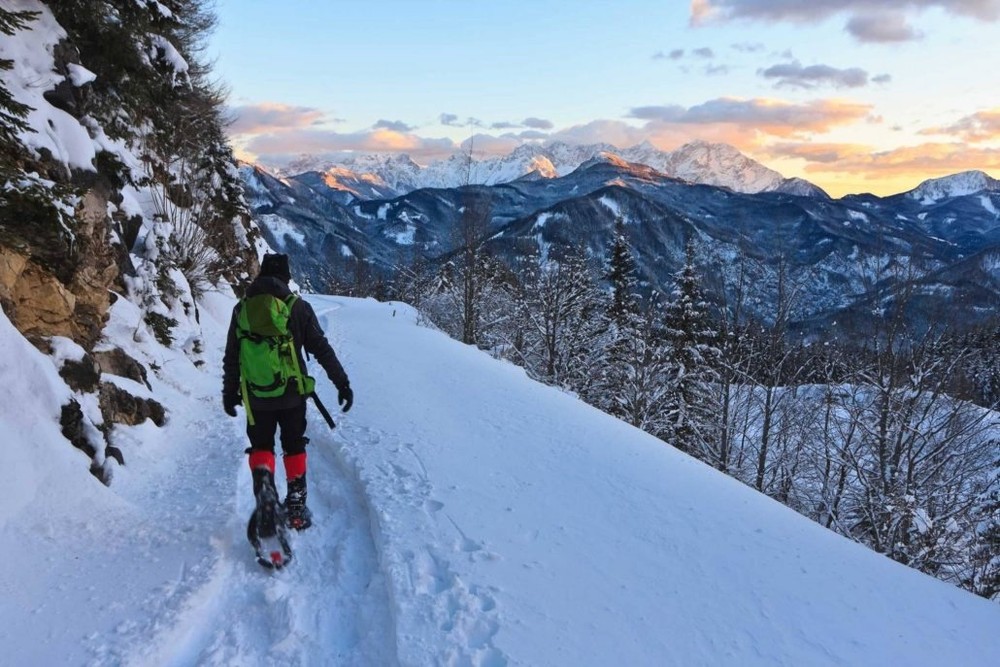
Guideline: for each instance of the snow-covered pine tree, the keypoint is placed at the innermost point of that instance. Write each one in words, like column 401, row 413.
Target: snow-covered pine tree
column 694, row 358
column 637, row 381
column 12, row 112
column 985, row 577
column 562, row 313
column 621, row 276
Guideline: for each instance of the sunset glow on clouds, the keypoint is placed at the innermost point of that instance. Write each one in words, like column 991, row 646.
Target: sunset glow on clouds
column 850, row 97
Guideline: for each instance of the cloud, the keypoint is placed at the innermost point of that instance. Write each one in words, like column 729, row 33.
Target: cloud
column 703, row 53
column 857, row 167
column 487, row 144
column 794, row 75
column 882, row 78
column 980, row 126
column 271, row 117
column 748, row 47
column 819, row 153
column 704, row 12
column 919, row 161
column 615, row 132
column 775, row 117
column 532, row 134
column 537, row 123
column 449, row 119
column 394, row 125
column 882, row 27
column 281, row 147
column 504, row 125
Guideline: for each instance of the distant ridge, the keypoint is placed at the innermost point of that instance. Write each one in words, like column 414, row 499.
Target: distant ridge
column 384, row 176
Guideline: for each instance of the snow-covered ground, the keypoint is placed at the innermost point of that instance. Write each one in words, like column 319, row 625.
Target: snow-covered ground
column 465, row 516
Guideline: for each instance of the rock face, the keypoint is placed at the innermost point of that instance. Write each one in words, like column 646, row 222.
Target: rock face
column 117, row 362
column 120, row 407
column 48, row 294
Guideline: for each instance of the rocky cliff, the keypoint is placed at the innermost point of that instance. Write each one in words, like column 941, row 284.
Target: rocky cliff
column 115, row 183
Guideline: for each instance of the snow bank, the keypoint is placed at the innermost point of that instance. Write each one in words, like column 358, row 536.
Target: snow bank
column 518, row 525
column 42, row 467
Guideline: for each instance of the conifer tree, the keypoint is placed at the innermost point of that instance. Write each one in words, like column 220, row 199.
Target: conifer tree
column 638, row 379
column 621, row 274
column 693, row 360
column 986, row 557
column 12, row 112
column 560, row 304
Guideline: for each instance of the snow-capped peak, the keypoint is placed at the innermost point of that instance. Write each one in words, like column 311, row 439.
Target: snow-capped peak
column 722, row 165
column 956, row 185
column 698, row 162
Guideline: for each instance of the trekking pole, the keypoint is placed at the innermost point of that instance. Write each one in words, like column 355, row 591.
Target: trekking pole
column 322, row 410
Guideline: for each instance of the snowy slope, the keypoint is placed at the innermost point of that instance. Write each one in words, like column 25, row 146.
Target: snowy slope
column 465, row 515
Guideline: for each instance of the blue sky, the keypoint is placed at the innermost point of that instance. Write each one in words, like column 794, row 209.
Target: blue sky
column 851, row 98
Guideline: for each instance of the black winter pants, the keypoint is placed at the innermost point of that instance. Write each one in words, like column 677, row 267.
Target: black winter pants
column 292, row 422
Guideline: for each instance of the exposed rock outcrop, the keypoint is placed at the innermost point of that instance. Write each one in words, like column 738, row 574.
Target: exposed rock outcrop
column 49, row 288
column 120, row 407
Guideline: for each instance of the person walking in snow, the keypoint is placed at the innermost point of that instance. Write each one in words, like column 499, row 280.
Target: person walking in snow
column 289, row 325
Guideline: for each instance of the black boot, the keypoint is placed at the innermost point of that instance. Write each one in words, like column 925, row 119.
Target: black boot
column 269, row 515
column 297, row 514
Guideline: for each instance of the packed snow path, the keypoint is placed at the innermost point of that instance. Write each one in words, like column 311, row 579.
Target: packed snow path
column 169, row 578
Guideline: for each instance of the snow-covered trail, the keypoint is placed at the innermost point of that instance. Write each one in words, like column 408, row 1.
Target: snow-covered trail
column 167, row 578
column 329, row 607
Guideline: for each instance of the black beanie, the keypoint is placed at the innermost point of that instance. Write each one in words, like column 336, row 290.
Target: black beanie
column 275, row 266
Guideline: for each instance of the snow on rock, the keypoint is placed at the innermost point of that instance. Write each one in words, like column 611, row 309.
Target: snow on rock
column 281, row 230
column 80, row 75
column 31, row 77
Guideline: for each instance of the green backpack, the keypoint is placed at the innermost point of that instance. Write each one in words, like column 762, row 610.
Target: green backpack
column 268, row 361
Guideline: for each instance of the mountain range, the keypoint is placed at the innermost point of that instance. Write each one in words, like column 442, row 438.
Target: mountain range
column 385, row 176
column 847, row 257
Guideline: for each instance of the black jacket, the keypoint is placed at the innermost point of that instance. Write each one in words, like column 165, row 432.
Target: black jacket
column 305, row 332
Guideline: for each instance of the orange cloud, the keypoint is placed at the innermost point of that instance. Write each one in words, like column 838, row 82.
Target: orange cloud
column 769, row 116
column 280, row 147
column 926, row 160
column 980, row 126
column 842, row 168
column 271, row 117
column 817, row 153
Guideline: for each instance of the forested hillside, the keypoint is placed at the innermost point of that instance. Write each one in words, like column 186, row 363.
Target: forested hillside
column 116, row 181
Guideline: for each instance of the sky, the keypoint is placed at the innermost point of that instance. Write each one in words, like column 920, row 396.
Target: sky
column 852, row 98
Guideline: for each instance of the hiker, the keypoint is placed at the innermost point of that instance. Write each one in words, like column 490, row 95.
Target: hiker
column 283, row 404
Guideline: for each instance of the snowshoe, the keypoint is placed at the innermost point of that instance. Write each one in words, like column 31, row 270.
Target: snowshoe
column 266, row 529
column 297, row 514
column 273, row 552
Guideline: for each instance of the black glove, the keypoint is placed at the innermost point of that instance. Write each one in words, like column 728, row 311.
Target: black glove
column 345, row 396
column 229, row 404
